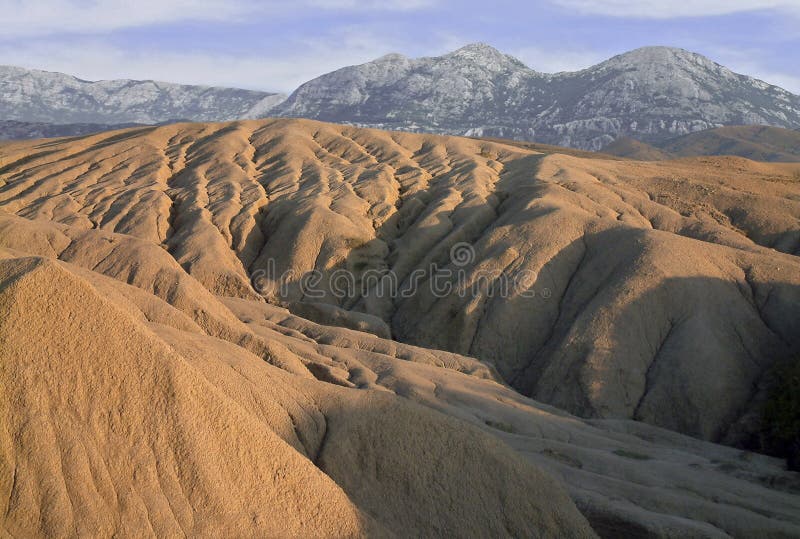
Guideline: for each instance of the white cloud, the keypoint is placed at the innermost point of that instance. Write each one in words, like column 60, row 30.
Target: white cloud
column 382, row 5
column 27, row 18
column 44, row 17
column 662, row 9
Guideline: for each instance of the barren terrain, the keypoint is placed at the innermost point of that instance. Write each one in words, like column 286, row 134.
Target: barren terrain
column 162, row 374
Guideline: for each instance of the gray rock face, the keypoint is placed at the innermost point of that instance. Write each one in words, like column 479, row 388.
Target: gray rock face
column 40, row 96
column 651, row 94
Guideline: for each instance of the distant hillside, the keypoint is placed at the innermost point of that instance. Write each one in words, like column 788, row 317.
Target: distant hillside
column 635, row 149
column 16, row 130
column 651, row 94
column 549, row 148
column 759, row 143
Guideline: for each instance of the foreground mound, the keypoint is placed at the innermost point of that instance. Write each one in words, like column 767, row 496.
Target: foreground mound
column 113, row 425
column 130, row 407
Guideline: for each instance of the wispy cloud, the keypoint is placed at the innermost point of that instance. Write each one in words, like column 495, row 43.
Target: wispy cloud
column 377, row 5
column 659, row 9
column 26, row 18
column 43, row 17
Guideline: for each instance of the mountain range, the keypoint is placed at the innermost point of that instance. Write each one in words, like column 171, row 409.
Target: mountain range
column 30, row 95
column 651, row 94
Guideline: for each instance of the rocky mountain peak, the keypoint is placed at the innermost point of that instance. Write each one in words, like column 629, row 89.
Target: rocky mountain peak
column 651, row 94
column 483, row 55
column 477, row 51
column 663, row 58
column 391, row 58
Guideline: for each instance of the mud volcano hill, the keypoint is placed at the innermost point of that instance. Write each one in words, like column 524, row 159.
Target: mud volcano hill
column 148, row 387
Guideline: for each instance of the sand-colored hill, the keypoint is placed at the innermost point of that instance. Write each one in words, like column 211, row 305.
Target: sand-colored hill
column 161, row 393
column 704, row 246
column 549, row 148
column 114, row 425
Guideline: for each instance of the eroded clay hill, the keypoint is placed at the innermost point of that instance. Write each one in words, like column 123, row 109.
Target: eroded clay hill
column 656, row 291
column 135, row 403
column 146, row 387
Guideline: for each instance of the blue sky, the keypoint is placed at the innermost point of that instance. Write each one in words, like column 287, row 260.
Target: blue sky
column 275, row 46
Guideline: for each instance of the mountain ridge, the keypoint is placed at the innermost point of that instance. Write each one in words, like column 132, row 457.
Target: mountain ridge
column 33, row 95
column 650, row 94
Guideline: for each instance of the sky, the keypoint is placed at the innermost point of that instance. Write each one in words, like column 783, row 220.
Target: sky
column 275, row 46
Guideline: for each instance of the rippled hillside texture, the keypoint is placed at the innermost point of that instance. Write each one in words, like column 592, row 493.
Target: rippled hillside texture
column 163, row 373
